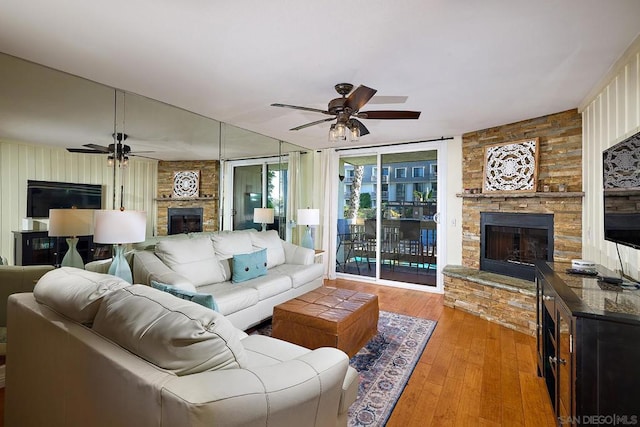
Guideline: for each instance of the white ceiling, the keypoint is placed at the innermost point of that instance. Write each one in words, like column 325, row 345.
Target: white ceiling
column 467, row 65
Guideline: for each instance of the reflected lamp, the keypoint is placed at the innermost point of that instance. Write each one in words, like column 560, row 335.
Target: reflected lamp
column 263, row 216
column 308, row 217
column 71, row 223
column 119, row 227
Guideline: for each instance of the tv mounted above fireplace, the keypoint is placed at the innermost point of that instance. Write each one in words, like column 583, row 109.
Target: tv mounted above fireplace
column 621, row 190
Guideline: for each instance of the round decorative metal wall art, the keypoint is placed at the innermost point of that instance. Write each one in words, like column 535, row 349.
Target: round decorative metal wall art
column 511, row 166
column 186, row 184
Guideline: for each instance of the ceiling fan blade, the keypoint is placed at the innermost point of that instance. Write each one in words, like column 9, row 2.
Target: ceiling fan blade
column 317, row 122
column 359, row 97
column 97, row 147
column 297, row 107
column 144, row 157
column 84, row 150
column 388, row 115
column 363, row 129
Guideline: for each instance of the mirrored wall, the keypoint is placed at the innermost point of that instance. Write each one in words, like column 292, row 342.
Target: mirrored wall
column 44, row 112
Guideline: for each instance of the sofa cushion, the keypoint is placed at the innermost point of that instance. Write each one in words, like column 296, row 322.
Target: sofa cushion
column 194, row 259
column 231, row 297
column 272, row 242
column 76, row 293
column 230, row 243
column 270, row 285
column 169, row 332
column 205, row 300
column 249, row 266
column 300, row 274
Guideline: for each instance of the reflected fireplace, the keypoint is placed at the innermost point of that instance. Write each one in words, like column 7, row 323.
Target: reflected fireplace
column 184, row 220
column 510, row 243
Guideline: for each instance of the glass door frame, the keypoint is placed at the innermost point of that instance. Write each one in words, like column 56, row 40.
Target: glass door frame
column 441, row 241
column 228, row 170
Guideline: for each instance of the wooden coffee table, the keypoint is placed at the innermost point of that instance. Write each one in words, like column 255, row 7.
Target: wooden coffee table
column 328, row 317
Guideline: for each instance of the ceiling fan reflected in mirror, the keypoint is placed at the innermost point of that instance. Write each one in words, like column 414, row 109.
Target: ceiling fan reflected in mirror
column 116, row 152
column 346, row 112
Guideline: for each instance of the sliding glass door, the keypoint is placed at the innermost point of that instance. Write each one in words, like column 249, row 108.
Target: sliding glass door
column 256, row 186
column 388, row 212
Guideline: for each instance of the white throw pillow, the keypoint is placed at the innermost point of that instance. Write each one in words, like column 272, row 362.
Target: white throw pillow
column 76, row 293
column 271, row 241
column 230, row 243
column 194, row 259
column 170, row 332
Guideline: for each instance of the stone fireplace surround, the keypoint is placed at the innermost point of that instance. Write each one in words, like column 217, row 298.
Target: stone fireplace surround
column 503, row 299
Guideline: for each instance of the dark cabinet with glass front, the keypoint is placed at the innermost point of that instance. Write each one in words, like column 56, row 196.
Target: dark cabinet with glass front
column 37, row 248
column 588, row 346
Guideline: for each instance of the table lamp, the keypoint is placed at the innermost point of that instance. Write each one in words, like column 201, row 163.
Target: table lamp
column 118, row 227
column 71, row 223
column 308, row 217
column 263, row 216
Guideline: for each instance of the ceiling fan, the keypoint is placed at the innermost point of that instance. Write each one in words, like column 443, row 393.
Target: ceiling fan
column 346, row 111
column 117, row 152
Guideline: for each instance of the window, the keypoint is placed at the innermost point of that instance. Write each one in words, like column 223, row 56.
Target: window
column 401, row 172
column 434, row 189
column 385, row 192
column 419, row 186
column 385, row 174
column 350, row 173
column 433, row 169
column 400, row 192
column 418, row 172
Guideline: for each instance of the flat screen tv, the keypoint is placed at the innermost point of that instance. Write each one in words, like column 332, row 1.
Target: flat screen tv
column 45, row 195
column 621, row 181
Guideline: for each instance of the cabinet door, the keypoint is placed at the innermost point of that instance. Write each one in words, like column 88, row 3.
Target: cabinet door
column 539, row 317
column 565, row 409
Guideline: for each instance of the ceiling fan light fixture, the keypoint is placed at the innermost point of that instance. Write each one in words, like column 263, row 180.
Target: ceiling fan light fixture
column 342, row 132
column 355, row 132
column 110, row 161
column 125, row 161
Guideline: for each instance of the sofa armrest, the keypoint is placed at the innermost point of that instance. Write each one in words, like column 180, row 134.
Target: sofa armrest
column 295, row 254
column 100, row 266
column 304, row 391
column 16, row 279
column 147, row 267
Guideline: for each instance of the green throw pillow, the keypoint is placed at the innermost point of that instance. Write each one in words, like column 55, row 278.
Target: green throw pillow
column 205, row 300
column 249, row 266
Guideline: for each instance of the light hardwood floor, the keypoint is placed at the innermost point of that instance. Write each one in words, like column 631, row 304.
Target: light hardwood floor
column 472, row 372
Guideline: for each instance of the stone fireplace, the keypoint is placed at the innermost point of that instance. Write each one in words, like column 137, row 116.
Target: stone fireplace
column 510, row 243
column 204, row 205
column 494, row 295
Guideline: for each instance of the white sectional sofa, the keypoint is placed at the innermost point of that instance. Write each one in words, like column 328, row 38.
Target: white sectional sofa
column 90, row 349
column 204, row 263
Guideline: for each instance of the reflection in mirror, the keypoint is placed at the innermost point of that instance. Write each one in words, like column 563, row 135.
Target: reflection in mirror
column 44, row 111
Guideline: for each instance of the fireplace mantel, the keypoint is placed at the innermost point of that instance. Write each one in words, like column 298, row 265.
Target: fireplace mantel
column 549, row 194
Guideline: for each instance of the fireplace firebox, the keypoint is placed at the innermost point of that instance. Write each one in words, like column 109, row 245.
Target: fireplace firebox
column 510, row 243
column 184, row 220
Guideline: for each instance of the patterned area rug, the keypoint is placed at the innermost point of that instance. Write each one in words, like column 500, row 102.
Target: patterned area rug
column 385, row 365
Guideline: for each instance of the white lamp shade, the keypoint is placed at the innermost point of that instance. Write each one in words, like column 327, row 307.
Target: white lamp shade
column 70, row 222
column 116, row 226
column 263, row 215
column 308, row 216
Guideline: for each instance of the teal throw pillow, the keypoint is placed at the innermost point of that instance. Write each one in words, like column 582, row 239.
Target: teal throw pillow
column 205, row 300
column 249, row 266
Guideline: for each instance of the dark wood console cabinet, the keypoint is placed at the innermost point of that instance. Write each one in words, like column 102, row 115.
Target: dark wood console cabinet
column 37, row 248
column 588, row 345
